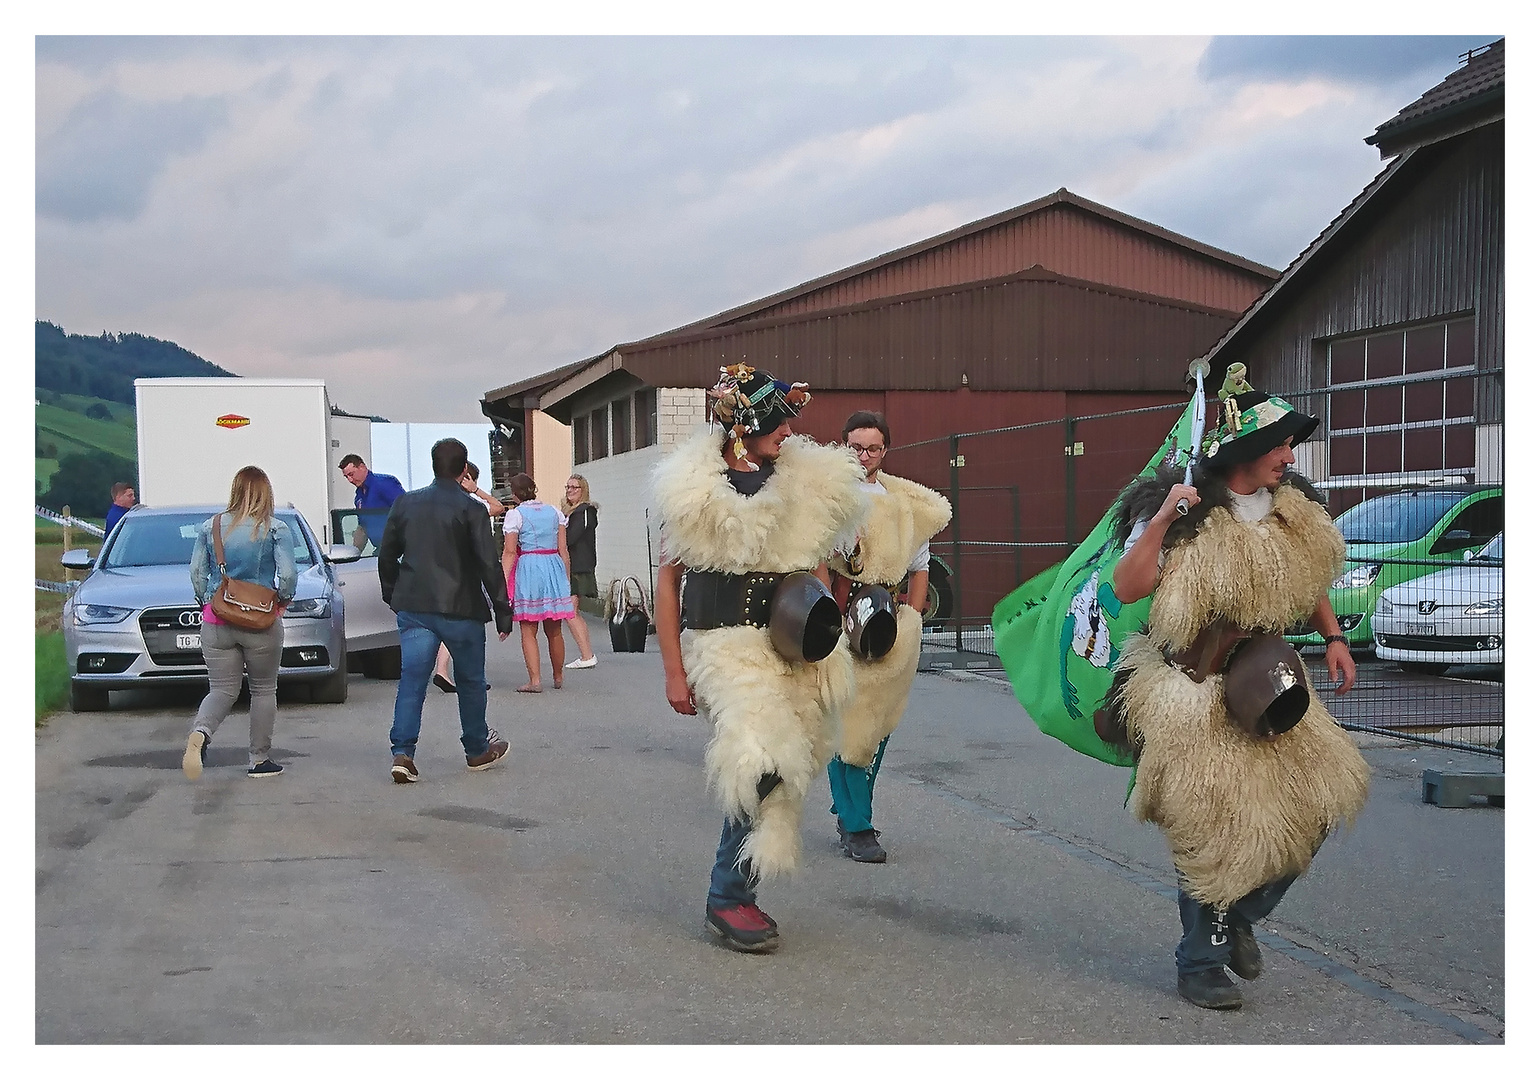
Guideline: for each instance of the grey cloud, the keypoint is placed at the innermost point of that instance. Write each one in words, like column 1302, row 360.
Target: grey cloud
column 101, row 162
column 1350, row 59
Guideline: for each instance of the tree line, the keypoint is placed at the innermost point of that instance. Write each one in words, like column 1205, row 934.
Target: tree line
column 107, row 365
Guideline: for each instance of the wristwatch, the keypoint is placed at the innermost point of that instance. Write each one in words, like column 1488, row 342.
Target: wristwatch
column 1336, row 637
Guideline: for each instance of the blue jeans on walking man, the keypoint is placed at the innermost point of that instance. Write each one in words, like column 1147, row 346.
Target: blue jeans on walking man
column 730, row 884
column 1207, row 931
column 466, row 639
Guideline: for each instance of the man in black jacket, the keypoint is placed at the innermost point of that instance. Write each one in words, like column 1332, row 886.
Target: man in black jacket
column 439, row 570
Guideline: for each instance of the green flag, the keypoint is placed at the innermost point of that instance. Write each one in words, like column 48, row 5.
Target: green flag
column 1058, row 634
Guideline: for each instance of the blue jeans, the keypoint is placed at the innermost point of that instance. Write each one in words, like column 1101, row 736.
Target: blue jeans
column 1206, row 930
column 851, row 787
column 730, row 882
column 466, row 639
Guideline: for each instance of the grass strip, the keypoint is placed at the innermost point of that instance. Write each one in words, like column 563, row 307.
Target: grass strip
column 53, row 676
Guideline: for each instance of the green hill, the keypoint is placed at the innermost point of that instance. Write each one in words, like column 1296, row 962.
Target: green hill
column 63, row 428
column 106, row 366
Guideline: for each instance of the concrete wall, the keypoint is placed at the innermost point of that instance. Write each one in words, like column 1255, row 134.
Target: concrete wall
column 621, row 484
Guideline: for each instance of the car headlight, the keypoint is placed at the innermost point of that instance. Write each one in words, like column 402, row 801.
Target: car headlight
column 99, row 614
column 317, row 607
column 1382, row 607
column 1358, row 577
column 1486, row 607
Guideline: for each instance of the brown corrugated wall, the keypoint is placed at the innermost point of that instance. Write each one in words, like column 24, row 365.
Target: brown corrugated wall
column 1064, row 239
column 1032, row 332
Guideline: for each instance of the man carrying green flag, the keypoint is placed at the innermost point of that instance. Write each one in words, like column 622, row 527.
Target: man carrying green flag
column 1170, row 655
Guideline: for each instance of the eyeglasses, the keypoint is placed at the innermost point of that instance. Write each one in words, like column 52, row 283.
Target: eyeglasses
column 869, row 451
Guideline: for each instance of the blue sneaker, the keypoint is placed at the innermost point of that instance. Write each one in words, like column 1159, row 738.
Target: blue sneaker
column 267, row 767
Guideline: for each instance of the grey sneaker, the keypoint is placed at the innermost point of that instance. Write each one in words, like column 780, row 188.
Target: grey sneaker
column 196, row 755
column 863, row 846
column 403, row 770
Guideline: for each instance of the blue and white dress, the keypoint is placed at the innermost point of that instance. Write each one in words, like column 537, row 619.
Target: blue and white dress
column 540, row 589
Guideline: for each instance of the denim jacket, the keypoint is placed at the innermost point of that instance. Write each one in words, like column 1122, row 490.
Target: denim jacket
column 267, row 560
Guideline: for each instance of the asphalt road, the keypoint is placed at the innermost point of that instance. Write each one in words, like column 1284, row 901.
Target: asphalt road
column 559, row 897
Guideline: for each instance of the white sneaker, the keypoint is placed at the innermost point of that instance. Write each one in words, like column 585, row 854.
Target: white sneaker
column 590, row 662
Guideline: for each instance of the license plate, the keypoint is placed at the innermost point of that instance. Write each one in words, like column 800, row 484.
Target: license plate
column 1420, row 629
column 189, row 641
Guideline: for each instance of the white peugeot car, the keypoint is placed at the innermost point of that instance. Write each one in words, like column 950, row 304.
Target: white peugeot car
column 1452, row 617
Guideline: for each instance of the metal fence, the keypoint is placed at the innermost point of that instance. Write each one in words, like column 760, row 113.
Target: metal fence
column 1420, row 598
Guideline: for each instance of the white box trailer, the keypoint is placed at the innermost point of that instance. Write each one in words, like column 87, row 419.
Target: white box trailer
column 195, row 434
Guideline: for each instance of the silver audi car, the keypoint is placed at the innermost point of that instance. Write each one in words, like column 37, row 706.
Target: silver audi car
column 133, row 621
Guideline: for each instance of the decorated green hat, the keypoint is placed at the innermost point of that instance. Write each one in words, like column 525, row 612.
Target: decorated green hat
column 1251, row 424
column 749, row 402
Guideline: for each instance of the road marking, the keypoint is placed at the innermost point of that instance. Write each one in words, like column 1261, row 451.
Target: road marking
column 1332, row 969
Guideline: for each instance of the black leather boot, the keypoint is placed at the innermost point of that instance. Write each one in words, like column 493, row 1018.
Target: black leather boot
column 1209, row 989
column 1245, row 953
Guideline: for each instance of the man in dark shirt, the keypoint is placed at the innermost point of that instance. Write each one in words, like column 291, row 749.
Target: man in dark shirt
column 124, row 499
column 376, row 491
column 439, row 572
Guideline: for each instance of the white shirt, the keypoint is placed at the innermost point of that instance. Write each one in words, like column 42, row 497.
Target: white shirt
column 846, row 543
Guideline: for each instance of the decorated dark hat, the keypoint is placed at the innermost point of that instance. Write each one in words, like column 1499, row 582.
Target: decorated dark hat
column 1251, row 423
column 747, row 402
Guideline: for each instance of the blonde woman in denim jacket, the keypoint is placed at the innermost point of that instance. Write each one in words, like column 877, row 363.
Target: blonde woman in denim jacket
column 259, row 548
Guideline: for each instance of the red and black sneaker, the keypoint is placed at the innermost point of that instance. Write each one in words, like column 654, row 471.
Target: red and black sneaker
column 744, row 928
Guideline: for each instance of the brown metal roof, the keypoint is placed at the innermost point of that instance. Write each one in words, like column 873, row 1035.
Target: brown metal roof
column 1064, row 232
column 535, row 385
column 1034, row 330
column 1475, row 88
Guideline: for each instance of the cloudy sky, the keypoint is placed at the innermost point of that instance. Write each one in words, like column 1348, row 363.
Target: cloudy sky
column 419, row 220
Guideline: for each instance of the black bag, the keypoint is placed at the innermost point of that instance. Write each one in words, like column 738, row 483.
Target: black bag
column 627, row 616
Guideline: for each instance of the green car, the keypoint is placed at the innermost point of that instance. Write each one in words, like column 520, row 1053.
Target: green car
column 1395, row 538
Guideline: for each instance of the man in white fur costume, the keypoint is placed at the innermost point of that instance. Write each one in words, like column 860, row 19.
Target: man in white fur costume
column 1245, row 797
column 741, row 509
column 893, row 544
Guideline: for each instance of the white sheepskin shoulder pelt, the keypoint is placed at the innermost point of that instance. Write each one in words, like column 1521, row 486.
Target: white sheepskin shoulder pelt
column 1265, row 575
column 1237, row 811
column 897, row 524
column 882, row 692
column 768, row 716
column 813, row 496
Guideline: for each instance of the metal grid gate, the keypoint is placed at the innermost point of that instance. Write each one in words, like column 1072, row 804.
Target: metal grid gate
column 1420, row 598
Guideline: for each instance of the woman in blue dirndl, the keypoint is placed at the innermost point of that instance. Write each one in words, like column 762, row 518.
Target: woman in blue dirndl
column 538, row 569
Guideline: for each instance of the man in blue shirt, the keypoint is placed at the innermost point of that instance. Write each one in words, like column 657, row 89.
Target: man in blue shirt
column 376, row 491
column 124, row 499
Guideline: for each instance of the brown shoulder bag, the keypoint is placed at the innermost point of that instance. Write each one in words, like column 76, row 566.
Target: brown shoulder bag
column 241, row 603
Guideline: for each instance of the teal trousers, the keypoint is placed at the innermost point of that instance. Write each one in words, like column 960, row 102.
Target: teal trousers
column 851, row 787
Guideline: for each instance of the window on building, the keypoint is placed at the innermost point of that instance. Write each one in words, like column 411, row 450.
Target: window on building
column 620, row 425
column 646, row 416
column 1380, row 425
column 598, row 431
column 580, row 439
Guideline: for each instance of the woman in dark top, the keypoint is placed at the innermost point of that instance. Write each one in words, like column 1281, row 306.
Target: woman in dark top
column 582, row 523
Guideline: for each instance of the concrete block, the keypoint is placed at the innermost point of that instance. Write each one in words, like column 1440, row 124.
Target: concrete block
column 1448, row 790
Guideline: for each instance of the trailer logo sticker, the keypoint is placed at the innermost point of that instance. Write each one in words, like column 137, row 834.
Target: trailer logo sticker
column 233, row 420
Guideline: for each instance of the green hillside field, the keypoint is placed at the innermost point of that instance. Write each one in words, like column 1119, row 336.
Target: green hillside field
column 61, row 420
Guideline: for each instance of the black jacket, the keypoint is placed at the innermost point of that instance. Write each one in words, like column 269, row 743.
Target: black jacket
column 438, row 556
column 582, row 523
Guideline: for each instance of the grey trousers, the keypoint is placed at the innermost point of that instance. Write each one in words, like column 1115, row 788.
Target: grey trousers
column 229, row 653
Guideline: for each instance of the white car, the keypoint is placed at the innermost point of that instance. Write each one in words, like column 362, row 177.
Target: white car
column 1452, row 617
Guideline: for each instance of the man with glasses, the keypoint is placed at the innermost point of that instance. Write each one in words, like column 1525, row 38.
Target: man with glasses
column 893, row 543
